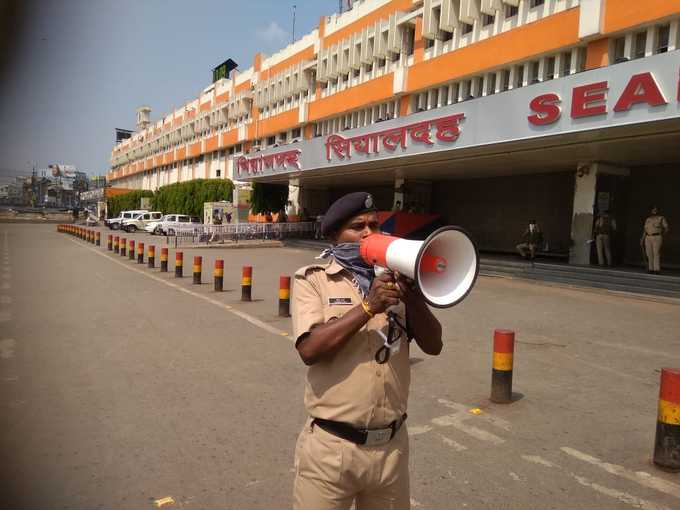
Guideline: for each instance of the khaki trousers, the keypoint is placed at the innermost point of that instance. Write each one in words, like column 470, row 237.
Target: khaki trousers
column 331, row 473
column 604, row 252
column 653, row 251
column 522, row 248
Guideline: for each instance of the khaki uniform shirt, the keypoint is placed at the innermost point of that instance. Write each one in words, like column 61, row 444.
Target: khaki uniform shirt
column 350, row 387
column 656, row 225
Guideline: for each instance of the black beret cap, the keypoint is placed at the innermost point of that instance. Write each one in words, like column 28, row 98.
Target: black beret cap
column 345, row 208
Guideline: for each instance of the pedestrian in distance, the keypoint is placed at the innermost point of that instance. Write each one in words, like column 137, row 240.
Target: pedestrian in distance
column 655, row 227
column 354, row 445
column 604, row 229
column 532, row 240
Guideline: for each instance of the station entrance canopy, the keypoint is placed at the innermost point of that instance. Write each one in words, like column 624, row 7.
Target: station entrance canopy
column 634, row 93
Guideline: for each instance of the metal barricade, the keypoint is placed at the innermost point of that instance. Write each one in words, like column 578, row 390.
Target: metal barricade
column 242, row 232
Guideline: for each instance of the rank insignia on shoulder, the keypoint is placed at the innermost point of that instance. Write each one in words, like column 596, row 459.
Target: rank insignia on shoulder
column 339, row 300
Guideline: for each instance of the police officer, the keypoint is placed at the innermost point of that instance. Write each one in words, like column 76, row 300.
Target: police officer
column 354, row 445
column 603, row 230
column 532, row 240
column 653, row 231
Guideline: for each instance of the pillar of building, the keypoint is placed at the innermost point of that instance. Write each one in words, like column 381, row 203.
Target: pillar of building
column 293, row 207
column 398, row 201
column 582, row 220
column 585, row 206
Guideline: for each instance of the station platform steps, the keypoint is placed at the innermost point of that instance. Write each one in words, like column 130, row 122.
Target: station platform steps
column 624, row 280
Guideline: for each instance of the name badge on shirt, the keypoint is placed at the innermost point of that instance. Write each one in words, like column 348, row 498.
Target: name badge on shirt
column 339, row 300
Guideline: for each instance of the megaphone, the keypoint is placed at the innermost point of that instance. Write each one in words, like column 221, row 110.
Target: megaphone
column 444, row 266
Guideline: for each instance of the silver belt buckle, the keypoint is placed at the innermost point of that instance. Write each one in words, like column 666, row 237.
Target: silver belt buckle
column 378, row 437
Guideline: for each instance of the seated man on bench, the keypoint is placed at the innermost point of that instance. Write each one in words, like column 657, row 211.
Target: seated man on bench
column 532, row 241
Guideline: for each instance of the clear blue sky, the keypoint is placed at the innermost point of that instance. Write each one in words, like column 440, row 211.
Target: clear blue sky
column 77, row 69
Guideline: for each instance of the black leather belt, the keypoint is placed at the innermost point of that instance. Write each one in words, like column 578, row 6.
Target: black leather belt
column 653, row 234
column 366, row 437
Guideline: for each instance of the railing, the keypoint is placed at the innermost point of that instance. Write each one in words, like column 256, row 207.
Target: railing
column 211, row 234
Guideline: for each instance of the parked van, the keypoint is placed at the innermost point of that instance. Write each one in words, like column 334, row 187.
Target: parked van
column 116, row 223
column 172, row 223
column 140, row 221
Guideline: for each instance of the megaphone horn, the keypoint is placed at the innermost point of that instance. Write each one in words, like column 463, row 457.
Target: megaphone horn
column 444, row 266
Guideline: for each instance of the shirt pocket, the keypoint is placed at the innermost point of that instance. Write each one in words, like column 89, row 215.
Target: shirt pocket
column 319, row 455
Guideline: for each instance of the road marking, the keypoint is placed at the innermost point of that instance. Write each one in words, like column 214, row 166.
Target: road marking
column 7, row 348
column 5, row 286
column 5, row 300
column 415, row 504
column 6, row 276
column 416, row 430
column 456, row 421
column 243, row 315
column 539, row 460
column 453, row 444
column 493, row 420
column 5, row 315
column 517, row 477
column 640, row 477
column 624, row 497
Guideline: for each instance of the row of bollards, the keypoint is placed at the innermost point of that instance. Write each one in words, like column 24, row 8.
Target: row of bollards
column 667, row 440
column 128, row 248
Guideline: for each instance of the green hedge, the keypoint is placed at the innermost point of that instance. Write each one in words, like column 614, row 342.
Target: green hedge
column 126, row 202
column 189, row 197
column 180, row 198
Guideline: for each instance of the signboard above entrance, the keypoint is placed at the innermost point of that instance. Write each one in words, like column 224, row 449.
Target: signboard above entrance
column 640, row 91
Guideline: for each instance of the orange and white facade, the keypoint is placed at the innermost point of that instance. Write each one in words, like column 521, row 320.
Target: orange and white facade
column 482, row 111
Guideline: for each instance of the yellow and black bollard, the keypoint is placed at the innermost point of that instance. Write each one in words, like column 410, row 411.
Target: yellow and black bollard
column 284, row 296
column 109, row 242
column 164, row 260
column 123, row 247
column 131, row 250
column 98, row 238
column 151, row 256
column 179, row 264
column 246, row 283
column 197, row 269
column 116, row 244
column 667, row 441
column 219, row 275
column 501, row 374
column 140, row 253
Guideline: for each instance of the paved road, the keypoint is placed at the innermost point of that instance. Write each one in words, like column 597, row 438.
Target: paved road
column 120, row 386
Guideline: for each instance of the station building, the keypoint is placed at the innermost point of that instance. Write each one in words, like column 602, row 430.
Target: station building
column 487, row 113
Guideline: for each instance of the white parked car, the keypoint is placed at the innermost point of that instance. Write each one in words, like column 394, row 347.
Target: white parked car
column 140, row 221
column 173, row 223
column 116, row 223
column 154, row 227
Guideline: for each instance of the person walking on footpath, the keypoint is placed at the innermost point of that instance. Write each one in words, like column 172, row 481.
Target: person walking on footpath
column 655, row 227
column 354, row 445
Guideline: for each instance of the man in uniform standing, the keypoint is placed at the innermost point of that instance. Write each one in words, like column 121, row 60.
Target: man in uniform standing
column 603, row 230
column 532, row 240
column 354, row 445
column 653, row 231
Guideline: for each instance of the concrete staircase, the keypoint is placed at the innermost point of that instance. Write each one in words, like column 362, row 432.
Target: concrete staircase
column 620, row 280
